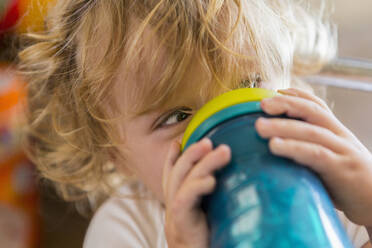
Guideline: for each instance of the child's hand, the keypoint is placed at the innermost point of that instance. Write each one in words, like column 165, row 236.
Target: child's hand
column 186, row 178
column 322, row 143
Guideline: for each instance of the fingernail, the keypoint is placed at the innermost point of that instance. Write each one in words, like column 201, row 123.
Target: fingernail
column 263, row 121
column 223, row 147
column 286, row 91
column 266, row 101
column 277, row 140
column 206, row 141
column 176, row 146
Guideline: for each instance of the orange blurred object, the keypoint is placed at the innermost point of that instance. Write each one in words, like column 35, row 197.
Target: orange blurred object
column 19, row 220
column 23, row 15
column 32, row 14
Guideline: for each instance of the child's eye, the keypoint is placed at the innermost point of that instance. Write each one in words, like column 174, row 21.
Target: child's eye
column 175, row 117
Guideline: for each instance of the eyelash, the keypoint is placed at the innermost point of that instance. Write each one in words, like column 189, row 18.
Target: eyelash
column 175, row 113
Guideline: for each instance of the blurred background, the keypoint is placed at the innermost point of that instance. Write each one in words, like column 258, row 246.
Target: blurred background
column 350, row 93
column 32, row 215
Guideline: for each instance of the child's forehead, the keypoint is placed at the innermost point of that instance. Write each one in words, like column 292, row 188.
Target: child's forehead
column 140, row 87
column 141, row 100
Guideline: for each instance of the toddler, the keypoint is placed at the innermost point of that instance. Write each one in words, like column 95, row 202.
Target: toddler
column 114, row 83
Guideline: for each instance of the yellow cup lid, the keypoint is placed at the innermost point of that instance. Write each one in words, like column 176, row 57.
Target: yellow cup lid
column 223, row 101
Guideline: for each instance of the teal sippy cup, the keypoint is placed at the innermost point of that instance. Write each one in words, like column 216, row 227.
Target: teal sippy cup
column 261, row 200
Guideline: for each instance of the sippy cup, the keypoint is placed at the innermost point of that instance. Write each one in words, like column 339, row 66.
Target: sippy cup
column 261, row 200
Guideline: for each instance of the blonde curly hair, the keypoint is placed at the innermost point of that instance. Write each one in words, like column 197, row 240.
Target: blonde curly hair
column 72, row 132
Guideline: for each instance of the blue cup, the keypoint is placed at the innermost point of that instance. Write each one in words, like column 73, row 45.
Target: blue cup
column 261, row 200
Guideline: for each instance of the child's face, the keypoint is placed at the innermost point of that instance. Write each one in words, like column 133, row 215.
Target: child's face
column 147, row 138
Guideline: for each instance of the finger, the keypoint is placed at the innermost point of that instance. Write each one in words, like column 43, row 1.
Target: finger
column 316, row 157
column 184, row 164
column 213, row 161
column 173, row 153
column 304, row 109
column 190, row 193
column 305, row 95
column 311, row 97
column 300, row 130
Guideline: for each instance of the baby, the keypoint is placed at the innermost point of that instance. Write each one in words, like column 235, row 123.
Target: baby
column 114, row 83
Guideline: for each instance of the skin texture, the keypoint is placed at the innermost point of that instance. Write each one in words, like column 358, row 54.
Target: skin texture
column 179, row 181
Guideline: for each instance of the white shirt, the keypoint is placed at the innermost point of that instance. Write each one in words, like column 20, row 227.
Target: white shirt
column 128, row 222
column 137, row 222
